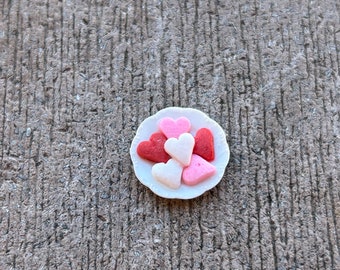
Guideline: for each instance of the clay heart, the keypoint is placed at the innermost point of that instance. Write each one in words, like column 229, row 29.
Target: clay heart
column 181, row 148
column 174, row 128
column 153, row 149
column 169, row 173
column 204, row 144
column 198, row 171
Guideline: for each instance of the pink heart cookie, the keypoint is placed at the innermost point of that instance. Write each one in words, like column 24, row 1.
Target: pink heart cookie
column 198, row 171
column 173, row 128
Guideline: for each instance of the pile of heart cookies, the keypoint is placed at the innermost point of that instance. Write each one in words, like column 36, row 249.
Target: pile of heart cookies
column 179, row 156
column 179, row 153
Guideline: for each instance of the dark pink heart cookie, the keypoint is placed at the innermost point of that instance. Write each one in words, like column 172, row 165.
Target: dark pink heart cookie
column 153, row 149
column 204, row 144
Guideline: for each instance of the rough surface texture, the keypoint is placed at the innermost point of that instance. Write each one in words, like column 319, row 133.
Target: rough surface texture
column 78, row 77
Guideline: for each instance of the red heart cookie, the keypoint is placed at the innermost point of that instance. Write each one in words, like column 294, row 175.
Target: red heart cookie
column 153, row 149
column 204, row 144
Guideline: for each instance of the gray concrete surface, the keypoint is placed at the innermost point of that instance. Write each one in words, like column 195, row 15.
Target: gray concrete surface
column 78, row 77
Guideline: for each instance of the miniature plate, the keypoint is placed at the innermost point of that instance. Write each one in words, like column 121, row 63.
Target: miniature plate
column 198, row 120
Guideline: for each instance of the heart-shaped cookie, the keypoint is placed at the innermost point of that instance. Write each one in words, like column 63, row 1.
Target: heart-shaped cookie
column 198, row 171
column 169, row 173
column 181, row 148
column 174, row 128
column 204, row 144
column 153, row 149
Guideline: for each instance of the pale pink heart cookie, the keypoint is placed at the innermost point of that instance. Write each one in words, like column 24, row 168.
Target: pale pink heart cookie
column 174, row 128
column 168, row 173
column 181, row 148
column 198, row 171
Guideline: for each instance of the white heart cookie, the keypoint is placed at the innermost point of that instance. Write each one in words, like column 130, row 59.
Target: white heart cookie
column 181, row 148
column 169, row 173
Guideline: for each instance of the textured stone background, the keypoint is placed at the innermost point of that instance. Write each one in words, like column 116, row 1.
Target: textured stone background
column 78, row 77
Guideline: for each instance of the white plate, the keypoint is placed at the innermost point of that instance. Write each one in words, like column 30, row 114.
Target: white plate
column 198, row 120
